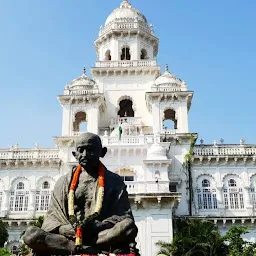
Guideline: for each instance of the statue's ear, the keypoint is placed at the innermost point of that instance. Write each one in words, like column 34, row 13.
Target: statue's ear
column 103, row 152
column 74, row 154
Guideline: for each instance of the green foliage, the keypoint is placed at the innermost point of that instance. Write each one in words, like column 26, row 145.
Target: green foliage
column 24, row 250
column 202, row 238
column 189, row 155
column 194, row 238
column 5, row 252
column 39, row 222
column 3, row 233
column 237, row 245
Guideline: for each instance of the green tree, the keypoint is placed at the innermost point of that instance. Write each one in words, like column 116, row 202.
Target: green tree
column 194, row 237
column 3, row 233
column 5, row 252
column 237, row 245
column 39, row 222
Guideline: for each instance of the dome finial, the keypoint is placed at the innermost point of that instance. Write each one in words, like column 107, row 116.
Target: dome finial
column 167, row 67
column 84, row 71
column 125, row 4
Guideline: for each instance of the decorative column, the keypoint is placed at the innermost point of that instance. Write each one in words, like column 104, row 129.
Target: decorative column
column 247, row 200
column 156, row 117
column 31, row 203
column 6, row 204
column 219, row 197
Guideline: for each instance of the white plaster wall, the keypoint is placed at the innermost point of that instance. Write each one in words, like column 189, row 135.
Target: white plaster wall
column 153, row 225
column 116, row 87
column 220, row 175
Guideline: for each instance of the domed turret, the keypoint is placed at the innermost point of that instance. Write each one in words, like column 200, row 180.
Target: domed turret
column 156, row 152
column 82, row 81
column 169, row 80
column 126, row 13
column 112, row 44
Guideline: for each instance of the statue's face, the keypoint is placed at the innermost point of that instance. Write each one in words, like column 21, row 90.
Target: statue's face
column 88, row 150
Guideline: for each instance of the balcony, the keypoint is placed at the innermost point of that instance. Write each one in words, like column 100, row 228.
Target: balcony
column 135, row 187
column 125, row 63
column 123, row 25
column 29, row 154
column 134, row 121
column 224, row 150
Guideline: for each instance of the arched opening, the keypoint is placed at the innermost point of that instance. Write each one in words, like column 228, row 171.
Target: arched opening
column 253, row 191
column 126, row 109
column 125, row 55
column 233, row 194
column 206, row 195
column 143, row 54
column 80, row 123
column 19, row 198
column 108, row 55
column 169, row 119
column 126, row 174
column 46, row 185
column 43, row 197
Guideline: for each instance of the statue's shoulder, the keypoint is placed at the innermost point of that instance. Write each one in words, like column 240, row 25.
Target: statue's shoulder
column 113, row 178
column 64, row 179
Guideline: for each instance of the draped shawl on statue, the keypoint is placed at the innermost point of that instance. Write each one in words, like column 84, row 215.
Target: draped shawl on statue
column 115, row 201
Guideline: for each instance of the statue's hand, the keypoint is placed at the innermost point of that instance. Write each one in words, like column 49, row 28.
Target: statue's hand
column 67, row 231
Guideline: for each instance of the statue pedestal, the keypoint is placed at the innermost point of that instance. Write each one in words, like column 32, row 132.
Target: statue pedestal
column 109, row 254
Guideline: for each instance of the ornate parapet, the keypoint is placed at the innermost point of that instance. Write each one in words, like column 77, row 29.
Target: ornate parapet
column 224, row 154
column 19, row 157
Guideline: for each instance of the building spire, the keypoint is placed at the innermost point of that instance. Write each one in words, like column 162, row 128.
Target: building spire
column 167, row 68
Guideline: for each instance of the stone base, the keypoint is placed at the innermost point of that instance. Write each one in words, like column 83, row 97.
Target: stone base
column 110, row 254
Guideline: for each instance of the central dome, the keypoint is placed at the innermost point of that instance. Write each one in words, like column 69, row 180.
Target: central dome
column 125, row 12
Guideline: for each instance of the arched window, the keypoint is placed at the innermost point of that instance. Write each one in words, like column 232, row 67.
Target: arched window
column 1, row 194
column 80, row 123
column 126, row 109
column 143, row 54
column 125, row 53
column 108, row 55
column 128, row 177
column 46, row 185
column 169, row 120
column 20, row 185
column 233, row 195
column 206, row 196
column 19, row 198
column 253, row 192
column 43, row 197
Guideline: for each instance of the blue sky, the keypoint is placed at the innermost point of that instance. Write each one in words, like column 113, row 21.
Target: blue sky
column 209, row 44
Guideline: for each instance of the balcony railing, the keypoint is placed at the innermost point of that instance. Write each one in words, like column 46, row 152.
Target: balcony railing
column 167, row 89
column 147, row 187
column 25, row 154
column 136, row 121
column 81, row 92
column 125, row 63
column 226, row 150
column 124, row 25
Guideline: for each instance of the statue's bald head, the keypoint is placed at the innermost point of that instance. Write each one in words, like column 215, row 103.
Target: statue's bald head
column 89, row 149
column 88, row 137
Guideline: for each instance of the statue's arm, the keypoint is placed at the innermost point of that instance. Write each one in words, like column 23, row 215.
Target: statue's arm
column 119, row 227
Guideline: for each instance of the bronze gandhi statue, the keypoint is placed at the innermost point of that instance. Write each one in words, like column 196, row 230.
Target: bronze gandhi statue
column 89, row 211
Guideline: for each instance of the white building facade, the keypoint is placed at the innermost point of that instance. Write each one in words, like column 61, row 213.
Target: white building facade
column 128, row 103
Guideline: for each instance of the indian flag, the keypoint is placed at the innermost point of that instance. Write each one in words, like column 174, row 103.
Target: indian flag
column 120, row 131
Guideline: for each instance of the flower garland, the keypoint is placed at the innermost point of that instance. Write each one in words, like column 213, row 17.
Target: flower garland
column 71, row 198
